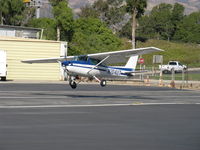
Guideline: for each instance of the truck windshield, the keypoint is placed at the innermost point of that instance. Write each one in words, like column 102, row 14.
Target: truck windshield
column 172, row 63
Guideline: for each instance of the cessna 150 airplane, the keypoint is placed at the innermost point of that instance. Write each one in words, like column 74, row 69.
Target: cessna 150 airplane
column 95, row 65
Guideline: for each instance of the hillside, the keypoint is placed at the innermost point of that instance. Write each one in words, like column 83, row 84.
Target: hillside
column 190, row 5
column 183, row 52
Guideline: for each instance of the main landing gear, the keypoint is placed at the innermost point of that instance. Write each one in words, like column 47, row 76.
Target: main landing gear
column 103, row 83
column 73, row 84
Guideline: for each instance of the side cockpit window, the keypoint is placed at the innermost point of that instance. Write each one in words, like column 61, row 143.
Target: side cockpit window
column 96, row 61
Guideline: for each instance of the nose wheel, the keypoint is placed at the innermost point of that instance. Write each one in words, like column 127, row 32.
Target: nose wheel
column 73, row 84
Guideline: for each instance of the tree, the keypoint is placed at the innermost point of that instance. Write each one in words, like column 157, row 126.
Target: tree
column 88, row 12
column 11, row 12
column 112, row 12
column 48, row 25
column 189, row 29
column 64, row 19
column 91, row 35
column 61, row 26
column 162, row 21
column 177, row 16
column 55, row 2
column 3, row 10
column 161, row 16
column 136, row 8
column 177, row 13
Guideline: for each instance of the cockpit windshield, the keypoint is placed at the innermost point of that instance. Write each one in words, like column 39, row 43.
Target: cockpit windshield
column 89, row 60
column 81, row 58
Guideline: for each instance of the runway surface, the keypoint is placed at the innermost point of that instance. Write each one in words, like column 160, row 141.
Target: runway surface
column 52, row 116
column 61, row 95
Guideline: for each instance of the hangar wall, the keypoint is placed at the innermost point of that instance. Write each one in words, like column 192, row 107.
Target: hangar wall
column 21, row 49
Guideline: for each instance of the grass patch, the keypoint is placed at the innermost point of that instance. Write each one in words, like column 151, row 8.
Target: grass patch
column 178, row 76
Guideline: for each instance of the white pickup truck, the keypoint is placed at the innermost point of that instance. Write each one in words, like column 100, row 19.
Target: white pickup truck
column 172, row 65
column 3, row 65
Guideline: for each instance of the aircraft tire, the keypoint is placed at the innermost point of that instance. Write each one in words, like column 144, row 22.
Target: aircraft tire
column 103, row 83
column 73, row 84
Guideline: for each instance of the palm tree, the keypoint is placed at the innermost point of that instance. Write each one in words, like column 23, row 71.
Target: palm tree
column 3, row 10
column 136, row 8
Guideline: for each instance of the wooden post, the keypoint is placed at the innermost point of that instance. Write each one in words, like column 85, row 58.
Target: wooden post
column 172, row 84
column 161, row 77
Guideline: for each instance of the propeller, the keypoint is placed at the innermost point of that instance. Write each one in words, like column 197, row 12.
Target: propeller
column 64, row 66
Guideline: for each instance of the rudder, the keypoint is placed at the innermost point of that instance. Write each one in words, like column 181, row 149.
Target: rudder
column 132, row 62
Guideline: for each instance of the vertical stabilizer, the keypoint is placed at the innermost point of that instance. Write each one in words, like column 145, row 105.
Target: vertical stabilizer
column 132, row 62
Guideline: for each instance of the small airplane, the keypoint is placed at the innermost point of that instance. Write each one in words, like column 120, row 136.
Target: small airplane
column 95, row 66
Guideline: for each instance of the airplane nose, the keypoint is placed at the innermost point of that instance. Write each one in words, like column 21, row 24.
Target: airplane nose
column 65, row 64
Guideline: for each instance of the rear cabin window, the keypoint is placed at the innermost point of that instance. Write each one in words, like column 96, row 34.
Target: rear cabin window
column 180, row 64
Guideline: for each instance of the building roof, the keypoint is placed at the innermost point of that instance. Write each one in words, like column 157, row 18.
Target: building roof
column 20, row 39
column 20, row 27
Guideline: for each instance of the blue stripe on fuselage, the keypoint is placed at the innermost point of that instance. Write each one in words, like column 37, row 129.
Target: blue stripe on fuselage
column 122, row 69
column 78, row 63
column 100, row 69
column 67, row 63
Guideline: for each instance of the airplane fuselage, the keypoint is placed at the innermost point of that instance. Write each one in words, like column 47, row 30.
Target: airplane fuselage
column 85, row 68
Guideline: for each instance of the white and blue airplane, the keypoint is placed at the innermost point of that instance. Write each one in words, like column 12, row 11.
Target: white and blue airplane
column 96, row 65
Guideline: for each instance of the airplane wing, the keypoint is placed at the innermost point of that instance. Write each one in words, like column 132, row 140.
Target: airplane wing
column 111, row 57
column 48, row 60
column 122, row 55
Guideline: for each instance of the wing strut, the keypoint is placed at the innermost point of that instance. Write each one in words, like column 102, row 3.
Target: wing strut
column 98, row 64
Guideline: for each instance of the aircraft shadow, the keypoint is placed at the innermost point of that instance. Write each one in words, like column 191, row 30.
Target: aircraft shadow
column 130, row 97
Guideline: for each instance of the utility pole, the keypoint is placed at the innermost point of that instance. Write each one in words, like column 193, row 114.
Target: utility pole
column 36, row 4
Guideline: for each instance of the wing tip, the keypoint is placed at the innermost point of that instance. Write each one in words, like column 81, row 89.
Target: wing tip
column 157, row 49
column 27, row 62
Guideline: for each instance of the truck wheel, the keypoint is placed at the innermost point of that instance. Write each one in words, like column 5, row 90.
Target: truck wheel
column 165, row 71
column 3, row 78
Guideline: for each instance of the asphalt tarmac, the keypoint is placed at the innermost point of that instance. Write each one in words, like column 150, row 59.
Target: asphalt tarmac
column 52, row 116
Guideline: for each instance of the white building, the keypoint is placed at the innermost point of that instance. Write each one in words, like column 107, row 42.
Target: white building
column 17, row 31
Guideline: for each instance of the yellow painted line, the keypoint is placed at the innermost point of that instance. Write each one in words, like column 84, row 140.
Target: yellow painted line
column 137, row 103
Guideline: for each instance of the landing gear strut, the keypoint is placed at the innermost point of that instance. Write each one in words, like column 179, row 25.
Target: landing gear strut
column 102, row 82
